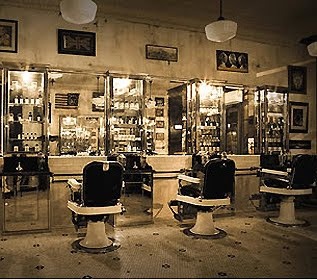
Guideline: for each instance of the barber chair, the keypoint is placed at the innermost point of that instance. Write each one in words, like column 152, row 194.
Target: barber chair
column 298, row 181
column 218, row 187
column 95, row 199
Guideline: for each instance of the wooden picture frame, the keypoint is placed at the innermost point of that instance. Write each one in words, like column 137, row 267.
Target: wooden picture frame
column 98, row 102
column 161, row 53
column 76, row 42
column 298, row 117
column 8, row 35
column 232, row 61
column 297, row 79
column 160, row 124
column 159, row 112
column 159, row 101
column 159, row 136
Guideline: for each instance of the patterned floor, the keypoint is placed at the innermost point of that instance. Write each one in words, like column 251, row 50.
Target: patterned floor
column 253, row 248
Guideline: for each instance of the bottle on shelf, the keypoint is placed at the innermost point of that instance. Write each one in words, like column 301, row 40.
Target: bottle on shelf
column 30, row 116
column 26, row 148
column 38, row 117
column 19, row 117
column 19, row 167
column 11, row 117
column 16, row 100
column 21, row 99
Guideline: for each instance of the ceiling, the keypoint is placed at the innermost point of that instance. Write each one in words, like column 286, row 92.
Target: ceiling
column 278, row 21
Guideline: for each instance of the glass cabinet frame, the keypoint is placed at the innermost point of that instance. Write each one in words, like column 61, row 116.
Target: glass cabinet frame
column 272, row 107
column 24, row 111
column 124, row 114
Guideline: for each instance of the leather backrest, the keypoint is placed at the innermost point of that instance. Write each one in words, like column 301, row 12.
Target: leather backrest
column 100, row 187
column 219, row 178
column 304, row 168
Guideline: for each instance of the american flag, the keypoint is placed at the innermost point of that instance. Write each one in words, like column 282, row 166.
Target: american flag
column 66, row 101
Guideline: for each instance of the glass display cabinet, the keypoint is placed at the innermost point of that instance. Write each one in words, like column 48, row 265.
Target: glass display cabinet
column 25, row 115
column 125, row 112
column 209, row 118
column 82, row 135
column 272, row 120
column 198, row 126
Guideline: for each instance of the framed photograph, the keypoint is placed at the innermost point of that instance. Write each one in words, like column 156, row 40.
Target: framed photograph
column 159, row 101
column 98, row 101
column 8, row 35
column 159, row 124
column 161, row 53
column 76, row 42
column 298, row 117
column 297, row 79
column 159, row 136
column 232, row 61
column 159, row 112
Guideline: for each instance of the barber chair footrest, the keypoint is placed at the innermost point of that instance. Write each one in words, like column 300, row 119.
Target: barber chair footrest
column 76, row 246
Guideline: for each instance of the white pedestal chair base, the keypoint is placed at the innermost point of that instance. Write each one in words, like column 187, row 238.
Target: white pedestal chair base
column 96, row 239
column 204, row 226
column 287, row 208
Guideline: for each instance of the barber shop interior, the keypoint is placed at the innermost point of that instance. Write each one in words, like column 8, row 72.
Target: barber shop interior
column 158, row 139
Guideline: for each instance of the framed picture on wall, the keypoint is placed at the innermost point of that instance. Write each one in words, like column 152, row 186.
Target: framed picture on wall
column 98, row 102
column 232, row 61
column 8, row 35
column 76, row 42
column 159, row 101
column 161, row 53
column 159, row 136
column 159, row 124
column 298, row 117
column 159, row 112
column 297, row 79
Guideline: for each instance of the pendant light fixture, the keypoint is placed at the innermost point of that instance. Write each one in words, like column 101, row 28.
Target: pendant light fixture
column 221, row 30
column 78, row 11
column 311, row 43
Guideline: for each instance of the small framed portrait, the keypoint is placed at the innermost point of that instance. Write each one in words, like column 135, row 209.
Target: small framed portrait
column 8, row 35
column 159, row 101
column 159, row 112
column 297, row 79
column 98, row 102
column 298, row 117
column 160, row 124
column 159, row 136
column 76, row 42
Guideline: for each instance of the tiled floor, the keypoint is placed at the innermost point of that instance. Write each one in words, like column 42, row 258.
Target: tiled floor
column 253, row 248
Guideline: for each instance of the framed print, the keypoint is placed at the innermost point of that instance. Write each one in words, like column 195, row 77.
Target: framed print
column 297, row 79
column 300, row 144
column 76, row 42
column 159, row 101
column 298, row 117
column 159, row 124
column 161, row 53
column 8, row 35
column 159, row 112
column 98, row 102
column 159, row 136
column 232, row 61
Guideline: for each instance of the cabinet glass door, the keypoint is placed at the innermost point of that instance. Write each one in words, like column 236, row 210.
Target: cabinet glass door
column 126, row 115
column 25, row 112
column 209, row 118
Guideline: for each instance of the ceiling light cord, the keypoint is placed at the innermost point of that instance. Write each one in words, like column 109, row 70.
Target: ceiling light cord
column 220, row 7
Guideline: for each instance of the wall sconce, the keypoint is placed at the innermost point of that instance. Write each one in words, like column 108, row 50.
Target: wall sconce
column 221, row 30
column 78, row 11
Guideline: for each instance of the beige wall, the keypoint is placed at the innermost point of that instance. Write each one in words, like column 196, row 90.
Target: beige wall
column 121, row 48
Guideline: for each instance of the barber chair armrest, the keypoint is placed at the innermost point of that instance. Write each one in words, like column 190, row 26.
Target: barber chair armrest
column 74, row 185
column 83, row 210
column 147, row 188
column 274, row 172
column 198, row 201
column 188, row 179
column 284, row 191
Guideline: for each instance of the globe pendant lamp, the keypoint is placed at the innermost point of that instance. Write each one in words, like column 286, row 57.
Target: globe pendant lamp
column 221, row 30
column 312, row 49
column 78, row 11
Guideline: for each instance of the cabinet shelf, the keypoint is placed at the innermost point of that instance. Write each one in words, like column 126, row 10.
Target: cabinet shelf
column 25, row 104
column 25, row 122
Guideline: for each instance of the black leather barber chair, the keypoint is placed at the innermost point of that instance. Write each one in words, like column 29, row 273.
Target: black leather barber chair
column 95, row 199
column 216, row 192
column 298, row 181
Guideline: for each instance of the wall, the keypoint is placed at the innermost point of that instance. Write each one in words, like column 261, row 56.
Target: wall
column 121, row 48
